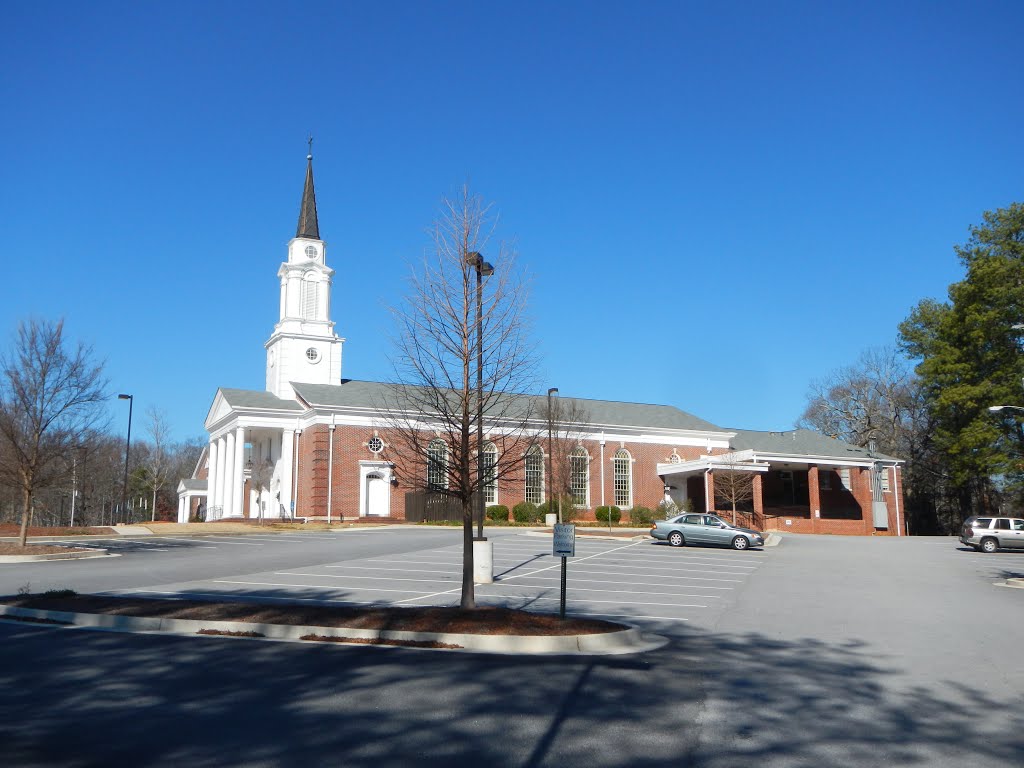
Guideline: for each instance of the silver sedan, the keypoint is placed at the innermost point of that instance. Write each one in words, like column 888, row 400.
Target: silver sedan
column 705, row 529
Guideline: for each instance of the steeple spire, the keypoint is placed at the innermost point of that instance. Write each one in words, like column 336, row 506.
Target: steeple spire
column 308, row 226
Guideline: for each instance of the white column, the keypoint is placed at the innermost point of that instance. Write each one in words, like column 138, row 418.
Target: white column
column 228, row 483
column 285, row 470
column 182, row 510
column 237, row 478
column 219, row 489
column 213, row 475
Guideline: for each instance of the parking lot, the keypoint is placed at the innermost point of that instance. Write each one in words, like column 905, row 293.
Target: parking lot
column 642, row 581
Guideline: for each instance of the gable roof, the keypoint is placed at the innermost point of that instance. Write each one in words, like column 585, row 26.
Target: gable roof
column 373, row 394
column 803, row 442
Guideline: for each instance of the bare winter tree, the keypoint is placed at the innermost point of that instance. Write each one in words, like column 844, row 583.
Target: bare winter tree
column 867, row 402
column 734, row 485
column 159, row 459
column 50, row 395
column 262, row 473
column 432, row 409
column 565, row 454
column 878, row 402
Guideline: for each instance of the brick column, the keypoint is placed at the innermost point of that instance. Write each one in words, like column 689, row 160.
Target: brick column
column 709, row 490
column 758, row 494
column 814, row 492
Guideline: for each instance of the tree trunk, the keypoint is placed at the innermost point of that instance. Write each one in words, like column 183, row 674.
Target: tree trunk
column 153, row 511
column 26, row 510
column 468, row 596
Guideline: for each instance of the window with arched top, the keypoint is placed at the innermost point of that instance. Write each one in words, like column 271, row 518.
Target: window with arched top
column 490, row 474
column 622, row 466
column 579, row 476
column 534, row 476
column 437, row 465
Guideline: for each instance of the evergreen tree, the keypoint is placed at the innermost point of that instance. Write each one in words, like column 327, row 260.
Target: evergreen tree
column 970, row 358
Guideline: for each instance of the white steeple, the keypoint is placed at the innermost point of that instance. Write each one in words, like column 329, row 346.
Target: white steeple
column 304, row 347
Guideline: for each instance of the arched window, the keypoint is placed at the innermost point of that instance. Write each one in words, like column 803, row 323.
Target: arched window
column 490, row 474
column 534, row 475
column 579, row 477
column 437, row 465
column 623, row 473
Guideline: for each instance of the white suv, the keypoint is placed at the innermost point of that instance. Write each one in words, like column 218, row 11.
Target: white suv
column 987, row 534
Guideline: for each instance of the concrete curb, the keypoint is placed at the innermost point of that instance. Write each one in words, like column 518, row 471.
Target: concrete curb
column 132, row 530
column 55, row 556
column 630, row 640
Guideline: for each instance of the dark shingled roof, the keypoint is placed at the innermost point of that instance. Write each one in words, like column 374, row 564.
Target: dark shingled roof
column 373, row 394
column 800, row 441
column 308, row 225
column 250, row 398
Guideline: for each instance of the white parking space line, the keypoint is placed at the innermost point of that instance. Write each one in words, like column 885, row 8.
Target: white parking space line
column 390, row 570
column 575, row 589
column 223, row 540
column 293, row 586
column 268, row 537
column 190, row 541
column 371, row 578
column 533, row 574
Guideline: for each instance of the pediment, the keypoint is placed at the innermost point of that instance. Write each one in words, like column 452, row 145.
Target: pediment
column 220, row 410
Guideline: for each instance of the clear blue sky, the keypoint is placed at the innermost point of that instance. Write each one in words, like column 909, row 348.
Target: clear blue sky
column 718, row 202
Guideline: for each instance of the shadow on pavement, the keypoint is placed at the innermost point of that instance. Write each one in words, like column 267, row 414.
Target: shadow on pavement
column 76, row 698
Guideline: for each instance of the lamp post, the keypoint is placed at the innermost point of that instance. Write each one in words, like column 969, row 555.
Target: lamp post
column 483, row 269
column 127, row 448
column 551, row 475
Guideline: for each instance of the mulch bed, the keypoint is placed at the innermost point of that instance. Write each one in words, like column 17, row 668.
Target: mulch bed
column 480, row 621
column 7, row 548
column 14, row 529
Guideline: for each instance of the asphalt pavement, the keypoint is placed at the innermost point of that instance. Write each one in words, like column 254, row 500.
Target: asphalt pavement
column 824, row 651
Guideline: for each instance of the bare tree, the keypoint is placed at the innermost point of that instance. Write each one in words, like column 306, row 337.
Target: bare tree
column 734, row 484
column 262, row 473
column 868, row 402
column 432, row 409
column 159, row 460
column 567, row 418
column 50, row 396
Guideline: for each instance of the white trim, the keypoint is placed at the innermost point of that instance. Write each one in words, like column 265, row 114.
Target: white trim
column 366, row 468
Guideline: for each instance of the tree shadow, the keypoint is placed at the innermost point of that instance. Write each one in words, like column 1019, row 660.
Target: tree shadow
column 79, row 698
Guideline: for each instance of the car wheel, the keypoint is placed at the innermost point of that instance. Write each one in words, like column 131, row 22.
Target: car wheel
column 989, row 545
column 740, row 542
column 676, row 539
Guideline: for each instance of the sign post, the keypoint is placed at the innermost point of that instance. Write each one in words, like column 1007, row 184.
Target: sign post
column 563, row 546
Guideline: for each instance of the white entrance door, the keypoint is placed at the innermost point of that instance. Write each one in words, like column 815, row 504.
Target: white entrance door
column 376, row 496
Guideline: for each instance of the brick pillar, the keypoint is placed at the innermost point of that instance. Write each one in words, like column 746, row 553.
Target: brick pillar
column 709, row 492
column 866, row 499
column 814, row 492
column 758, row 500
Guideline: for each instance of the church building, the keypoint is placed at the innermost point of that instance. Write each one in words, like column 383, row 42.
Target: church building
column 315, row 445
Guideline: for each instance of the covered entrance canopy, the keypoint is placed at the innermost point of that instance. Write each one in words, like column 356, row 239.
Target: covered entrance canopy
column 796, row 480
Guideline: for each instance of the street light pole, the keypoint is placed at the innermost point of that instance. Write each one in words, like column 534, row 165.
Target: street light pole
column 483, row 269
column 127, row 448
column 551, row 474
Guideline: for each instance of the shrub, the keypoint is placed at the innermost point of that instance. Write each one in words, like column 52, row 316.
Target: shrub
column 526, row 512
column 498, row 513
column 601, row 513
column 640, row 516
column 667, row 509
column 569, row 511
